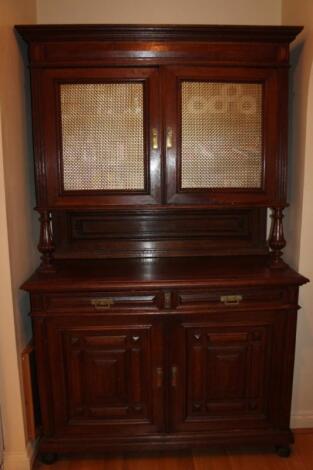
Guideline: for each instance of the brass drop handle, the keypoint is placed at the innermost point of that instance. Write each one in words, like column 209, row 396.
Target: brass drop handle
column 102, row 304
column 159, row 377
column 174, row 376
column 231, row 299
column 155, row 140
column 169, row 138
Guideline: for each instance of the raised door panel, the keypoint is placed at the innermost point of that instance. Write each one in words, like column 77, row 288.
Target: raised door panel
column 106, row 378
column 225, row 377
column 222, row 135
column 99, row 136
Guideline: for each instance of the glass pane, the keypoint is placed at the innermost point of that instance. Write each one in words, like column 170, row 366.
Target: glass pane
column 221, row 135
column 103, row 136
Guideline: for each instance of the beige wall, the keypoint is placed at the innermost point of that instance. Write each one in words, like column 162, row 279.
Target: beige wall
column 299, row 221
column 18, row 229
column 160, row 11
column 17, row 252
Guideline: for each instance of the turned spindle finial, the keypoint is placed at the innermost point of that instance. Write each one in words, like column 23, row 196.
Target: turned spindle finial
column 45, row 245
column 277, row 240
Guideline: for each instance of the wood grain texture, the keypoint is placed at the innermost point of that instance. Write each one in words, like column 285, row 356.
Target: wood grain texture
column 216, row 459
column 190, row 272
column 159, row 232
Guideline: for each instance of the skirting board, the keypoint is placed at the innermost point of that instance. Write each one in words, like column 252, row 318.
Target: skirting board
column 20, row 460
column 303, row 420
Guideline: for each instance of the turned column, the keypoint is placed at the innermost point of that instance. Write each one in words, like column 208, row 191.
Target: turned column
column 45, row 245
column 277, row 240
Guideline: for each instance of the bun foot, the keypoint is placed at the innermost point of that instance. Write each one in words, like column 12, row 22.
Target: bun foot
column 283, row 451
column 48, row 458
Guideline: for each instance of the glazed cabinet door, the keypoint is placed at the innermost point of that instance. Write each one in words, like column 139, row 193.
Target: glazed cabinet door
column 225, row 375
column 99, row 136
column 222, row 130
column 106, row 377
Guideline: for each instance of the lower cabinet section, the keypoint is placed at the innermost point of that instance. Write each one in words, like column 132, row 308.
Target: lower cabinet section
column 118, row 381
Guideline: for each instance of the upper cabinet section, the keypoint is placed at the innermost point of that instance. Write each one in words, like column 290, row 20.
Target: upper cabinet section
column 159, row 115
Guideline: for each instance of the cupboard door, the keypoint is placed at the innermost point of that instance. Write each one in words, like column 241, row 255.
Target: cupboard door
column 101, row 136
column 225, row 377
column 222, row 135
column 106, row 378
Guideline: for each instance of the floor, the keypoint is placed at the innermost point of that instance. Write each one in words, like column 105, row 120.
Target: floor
column 228, row 459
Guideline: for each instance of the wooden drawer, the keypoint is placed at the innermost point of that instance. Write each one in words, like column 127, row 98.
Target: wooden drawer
column 229, row 298
column 103, row 302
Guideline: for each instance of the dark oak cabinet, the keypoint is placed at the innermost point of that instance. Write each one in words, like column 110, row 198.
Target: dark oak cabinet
column 164, row 316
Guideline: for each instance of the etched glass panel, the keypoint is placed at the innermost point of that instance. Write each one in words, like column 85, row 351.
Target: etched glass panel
column 221, row 135
column 102, row 136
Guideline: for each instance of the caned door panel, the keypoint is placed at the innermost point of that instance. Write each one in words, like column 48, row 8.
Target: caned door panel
column 106, row 378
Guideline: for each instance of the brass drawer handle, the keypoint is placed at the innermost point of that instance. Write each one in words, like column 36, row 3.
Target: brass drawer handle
column 231, row 299
column 102, row 304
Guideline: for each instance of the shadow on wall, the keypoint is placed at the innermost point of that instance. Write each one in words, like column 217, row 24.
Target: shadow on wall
column 35, row 226
column 295, row 169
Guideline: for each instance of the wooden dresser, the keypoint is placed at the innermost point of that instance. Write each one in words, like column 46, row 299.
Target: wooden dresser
column 163, row 317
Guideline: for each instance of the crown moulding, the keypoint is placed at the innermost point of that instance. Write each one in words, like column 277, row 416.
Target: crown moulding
column 124, row 32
